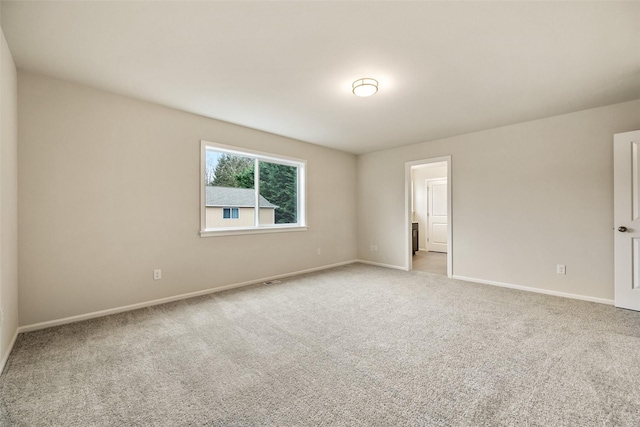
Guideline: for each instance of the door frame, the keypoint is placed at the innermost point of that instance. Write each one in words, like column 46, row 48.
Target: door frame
column 407, row 204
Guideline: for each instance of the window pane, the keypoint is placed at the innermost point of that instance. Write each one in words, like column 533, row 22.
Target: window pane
column 230, row 193
column 234, row 201
column 278, row 194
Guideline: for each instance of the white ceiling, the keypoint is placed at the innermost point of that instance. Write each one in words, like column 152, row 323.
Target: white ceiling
column 445, row 68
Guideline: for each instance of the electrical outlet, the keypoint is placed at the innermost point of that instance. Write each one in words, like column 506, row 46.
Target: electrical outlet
column 1, row 317
column 373, row 248
column 157, row 274
column 561, row 269
column 319, row 251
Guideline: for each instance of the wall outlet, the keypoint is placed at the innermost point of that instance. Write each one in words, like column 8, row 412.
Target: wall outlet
column 561, row 269
column 157, row 274
column 1, row 317
column 319, row 251
column 373, row 248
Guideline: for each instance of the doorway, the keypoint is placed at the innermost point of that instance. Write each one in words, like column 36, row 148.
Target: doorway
column 428, row 215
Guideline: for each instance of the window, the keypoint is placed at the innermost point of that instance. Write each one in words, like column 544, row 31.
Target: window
column 230, row 213
column 246, row 191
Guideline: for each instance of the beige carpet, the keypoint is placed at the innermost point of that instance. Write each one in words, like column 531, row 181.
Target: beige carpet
column 356, row 345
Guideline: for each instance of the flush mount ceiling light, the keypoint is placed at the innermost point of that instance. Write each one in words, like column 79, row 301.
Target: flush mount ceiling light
column 365, row 87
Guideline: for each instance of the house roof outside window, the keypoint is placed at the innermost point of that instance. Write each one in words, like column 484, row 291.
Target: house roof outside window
column 234, row 197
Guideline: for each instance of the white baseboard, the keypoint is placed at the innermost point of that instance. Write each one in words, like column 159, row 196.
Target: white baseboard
column 101, row 313
column 379, row 264
column 5, row 356
column 536, row 290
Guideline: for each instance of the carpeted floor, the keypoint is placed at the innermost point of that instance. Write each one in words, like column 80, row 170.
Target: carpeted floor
column 356, row 345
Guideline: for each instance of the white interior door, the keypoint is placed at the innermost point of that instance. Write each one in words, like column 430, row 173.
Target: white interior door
column 626, row 213
column 437, row 220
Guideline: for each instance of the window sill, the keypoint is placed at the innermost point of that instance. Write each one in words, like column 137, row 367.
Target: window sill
column 262, row 230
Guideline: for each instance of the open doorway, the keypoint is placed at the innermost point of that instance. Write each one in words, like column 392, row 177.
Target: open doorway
column 428, row 184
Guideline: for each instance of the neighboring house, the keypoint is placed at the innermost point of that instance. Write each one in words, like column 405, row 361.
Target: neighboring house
column 235, row 207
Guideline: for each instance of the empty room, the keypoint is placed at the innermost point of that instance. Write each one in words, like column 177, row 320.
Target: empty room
column 304, row 213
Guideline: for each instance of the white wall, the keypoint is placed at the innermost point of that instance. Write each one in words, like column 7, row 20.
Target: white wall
column 420, row 174
column 8, row 199
column 525, row 198
column 109, row 190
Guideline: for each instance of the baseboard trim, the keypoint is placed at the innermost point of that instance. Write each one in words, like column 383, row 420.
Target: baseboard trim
column 536, row 290
column 379, row 264
column 6, row 354
column 130, row 307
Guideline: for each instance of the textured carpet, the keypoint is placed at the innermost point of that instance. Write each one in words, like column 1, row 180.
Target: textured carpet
column 356, row 345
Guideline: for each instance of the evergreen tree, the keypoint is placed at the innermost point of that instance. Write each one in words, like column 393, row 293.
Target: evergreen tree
column 245, row 178
column 278, row 184
column 227, row 168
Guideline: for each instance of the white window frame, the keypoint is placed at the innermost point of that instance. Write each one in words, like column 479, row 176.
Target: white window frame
column 231, row 210
column 257, row 228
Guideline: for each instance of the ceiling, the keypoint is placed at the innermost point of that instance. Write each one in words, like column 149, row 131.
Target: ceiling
column 445, row 68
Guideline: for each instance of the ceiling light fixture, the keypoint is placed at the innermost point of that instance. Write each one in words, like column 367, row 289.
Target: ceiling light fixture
column 365, row 87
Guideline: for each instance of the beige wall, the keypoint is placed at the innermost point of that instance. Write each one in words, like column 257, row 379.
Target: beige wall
column 245, row 218
column 268, row 216
column 8, row 198
column 119, row 180
column 525, row 198
column 420, row 175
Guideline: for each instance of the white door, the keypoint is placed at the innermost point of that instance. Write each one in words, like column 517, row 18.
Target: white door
column 626, row 215
column 437, row 221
